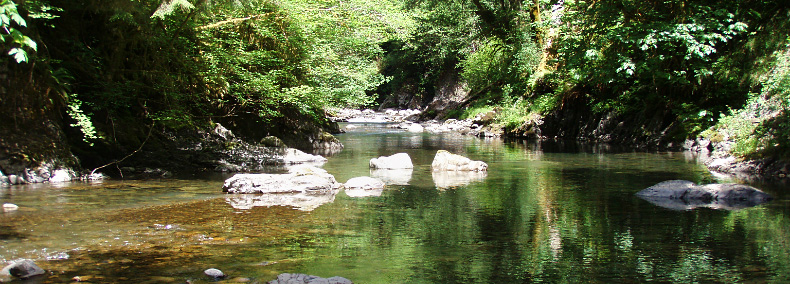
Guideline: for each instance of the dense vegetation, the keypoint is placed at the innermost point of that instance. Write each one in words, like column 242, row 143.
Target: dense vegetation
column 113, row 70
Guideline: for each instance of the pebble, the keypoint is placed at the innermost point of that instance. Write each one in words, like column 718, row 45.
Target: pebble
column 215, row 273
column 10, row 207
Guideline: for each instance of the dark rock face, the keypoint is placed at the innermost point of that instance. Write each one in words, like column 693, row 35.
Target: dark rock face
column 289, row 278
column 686, row 195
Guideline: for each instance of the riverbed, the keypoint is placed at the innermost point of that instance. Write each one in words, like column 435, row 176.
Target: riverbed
column 544, row 212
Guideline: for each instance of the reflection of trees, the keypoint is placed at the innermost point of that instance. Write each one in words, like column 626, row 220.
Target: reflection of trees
column 564, row 218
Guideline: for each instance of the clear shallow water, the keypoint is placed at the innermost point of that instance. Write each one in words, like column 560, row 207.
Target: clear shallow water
column 543, row 213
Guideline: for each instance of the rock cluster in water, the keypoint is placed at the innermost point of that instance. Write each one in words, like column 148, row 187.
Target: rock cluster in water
column 308, row 187
column 684, row 195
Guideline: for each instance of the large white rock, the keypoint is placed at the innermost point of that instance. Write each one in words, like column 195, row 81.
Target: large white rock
column 299, row 179
column 397, row 161
column 446, row 161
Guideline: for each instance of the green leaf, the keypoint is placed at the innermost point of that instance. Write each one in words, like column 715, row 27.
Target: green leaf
column 18, row 54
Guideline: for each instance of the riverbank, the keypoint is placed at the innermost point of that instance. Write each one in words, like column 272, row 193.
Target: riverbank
column 608, row 129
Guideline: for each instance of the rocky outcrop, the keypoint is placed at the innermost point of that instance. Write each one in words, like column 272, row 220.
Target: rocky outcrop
column 682, row 194
column 446, row 161
column 45, row 172
column 396, row 161
column 300, row 179
column 717, row 156
column 370, row 116
column 292, row 278
column 451, row 93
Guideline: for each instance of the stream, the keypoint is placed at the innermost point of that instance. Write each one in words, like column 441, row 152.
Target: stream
column 544, row 212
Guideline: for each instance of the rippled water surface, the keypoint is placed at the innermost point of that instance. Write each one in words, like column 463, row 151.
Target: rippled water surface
column 543, row 213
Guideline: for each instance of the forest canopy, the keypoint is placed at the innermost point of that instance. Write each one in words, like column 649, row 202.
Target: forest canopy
column 184, row 63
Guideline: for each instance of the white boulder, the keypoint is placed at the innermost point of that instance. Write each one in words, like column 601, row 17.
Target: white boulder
column 446, row 161
column 397, row 161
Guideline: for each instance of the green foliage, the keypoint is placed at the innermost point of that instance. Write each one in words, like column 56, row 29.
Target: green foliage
column 11, row 36
column 762, row 128
column 82, row 121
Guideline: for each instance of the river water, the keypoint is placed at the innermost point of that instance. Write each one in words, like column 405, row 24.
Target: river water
column 544, row 212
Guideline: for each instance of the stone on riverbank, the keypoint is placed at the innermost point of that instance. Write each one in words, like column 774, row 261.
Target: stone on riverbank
column 446, row 161
column 683, row 195
column 294, row 278
column 299, row 179
column 396, row 161
column 22, row 269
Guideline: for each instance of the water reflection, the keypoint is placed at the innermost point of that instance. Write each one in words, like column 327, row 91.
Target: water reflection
column 683, row 204
column 542, row 213
column 304, row 201
column 392, row 176
column 450, row 179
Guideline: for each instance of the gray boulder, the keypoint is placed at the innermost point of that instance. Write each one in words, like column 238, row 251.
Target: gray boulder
column 294, row 278
column 22, row 269
column 299, row 179
column 446, row 161
column 396, row 161
column 686, row 195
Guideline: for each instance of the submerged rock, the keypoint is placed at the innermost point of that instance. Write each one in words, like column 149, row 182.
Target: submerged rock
column 446, row 161
column 396, row 161
column 299, row 179
column 294, row 278
column 686, row 195
column 22, row 269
